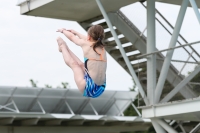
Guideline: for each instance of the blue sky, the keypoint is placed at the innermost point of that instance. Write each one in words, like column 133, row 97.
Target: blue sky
column 28, row 47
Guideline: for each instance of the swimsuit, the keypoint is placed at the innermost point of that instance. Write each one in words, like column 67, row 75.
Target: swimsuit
column 91, row 88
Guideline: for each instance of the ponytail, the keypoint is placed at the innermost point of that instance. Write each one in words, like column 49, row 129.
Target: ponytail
column 98, row 44
column 97, row 34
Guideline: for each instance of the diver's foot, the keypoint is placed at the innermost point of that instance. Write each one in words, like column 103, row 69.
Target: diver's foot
column 61, row 44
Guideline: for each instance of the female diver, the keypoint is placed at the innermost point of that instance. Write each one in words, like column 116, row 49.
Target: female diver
column 90, row 76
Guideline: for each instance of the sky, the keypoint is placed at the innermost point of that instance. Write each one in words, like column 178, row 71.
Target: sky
column 28, row 47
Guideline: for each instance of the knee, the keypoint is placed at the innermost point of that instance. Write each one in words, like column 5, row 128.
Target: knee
column 75, row 65
column 82, row 65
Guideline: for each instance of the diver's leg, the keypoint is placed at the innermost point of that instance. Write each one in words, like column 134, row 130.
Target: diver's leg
column 73, row 64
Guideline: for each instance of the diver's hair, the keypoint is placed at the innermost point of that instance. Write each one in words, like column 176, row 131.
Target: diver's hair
column 96, row 32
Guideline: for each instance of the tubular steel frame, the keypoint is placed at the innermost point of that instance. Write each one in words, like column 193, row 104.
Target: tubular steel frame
column 15, row 97
column 154, row 90
column 122, row 51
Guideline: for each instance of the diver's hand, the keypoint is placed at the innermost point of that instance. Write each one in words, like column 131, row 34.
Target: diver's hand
column 72, row 31
column 61, row 30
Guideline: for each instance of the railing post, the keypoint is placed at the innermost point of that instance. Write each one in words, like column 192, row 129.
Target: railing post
column 151, row 47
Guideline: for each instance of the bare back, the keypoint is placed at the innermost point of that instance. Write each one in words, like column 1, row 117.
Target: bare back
column 96, row 68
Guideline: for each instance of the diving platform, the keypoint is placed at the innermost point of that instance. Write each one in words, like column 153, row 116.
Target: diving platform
column 25, row 109
column 75, row 10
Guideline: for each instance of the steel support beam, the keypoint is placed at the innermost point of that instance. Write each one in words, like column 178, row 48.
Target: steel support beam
column 118, row 109
column 185, row 110
column 181, row 85
column 168, row 128
column 172, row 122
column 6, row 107
column 72, row 129
column 138, row 112
column 181, row 127
column 83, row 105
column 108, row 105
column 9, row 99
column 16, row 108
column 132, row 33
column 122, row 52
column 195, row 129
column 170, row 25
column 168, row 58
column 96, row 113
column 70, row 109
column 195, row 7
column 151, row 47
column 35, row 100
column 60, row 103
column 40, row 105
column 194, row 83
column 185, row 62
column 168, row 49
column 157, row 127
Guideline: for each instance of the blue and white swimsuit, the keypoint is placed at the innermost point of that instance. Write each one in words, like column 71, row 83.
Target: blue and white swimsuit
column 92, row 89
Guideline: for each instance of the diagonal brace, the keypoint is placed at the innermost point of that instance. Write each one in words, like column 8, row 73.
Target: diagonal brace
column 181, row 85
column 195, row 7
column 168, row 58
column 157, row 127
column 122, row 51
column 195, row 129
column 165, row 125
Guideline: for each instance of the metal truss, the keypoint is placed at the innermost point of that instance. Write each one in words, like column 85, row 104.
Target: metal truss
column 154, row 95
column 16, row 110
column 122, row 51
column 170, row 25
column 46, row 108
column 42, row 101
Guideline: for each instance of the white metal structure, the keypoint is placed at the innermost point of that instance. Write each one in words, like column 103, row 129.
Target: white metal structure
column 61, row 110
column 60, row 101
column 155, row 90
